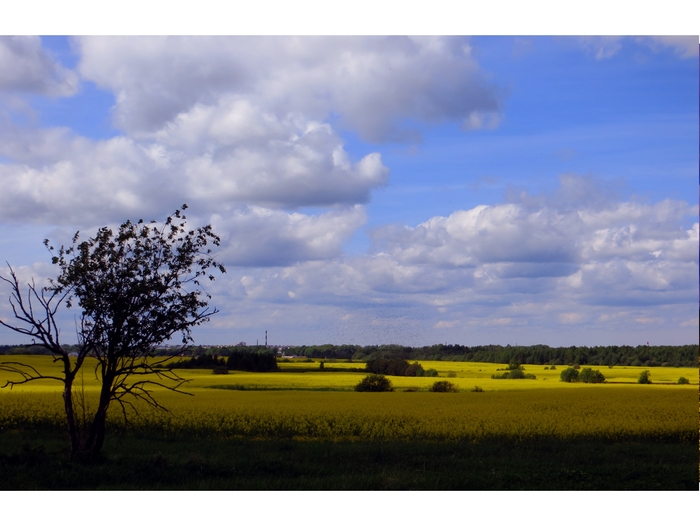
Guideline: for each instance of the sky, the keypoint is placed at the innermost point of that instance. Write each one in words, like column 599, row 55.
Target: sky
column 375, row 190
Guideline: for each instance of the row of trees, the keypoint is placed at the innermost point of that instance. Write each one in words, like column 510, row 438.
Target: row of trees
column 585, row 375
column 245, row 361
column 613, row 355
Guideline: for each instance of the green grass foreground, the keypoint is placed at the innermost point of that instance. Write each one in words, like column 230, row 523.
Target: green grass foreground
column 31, row 460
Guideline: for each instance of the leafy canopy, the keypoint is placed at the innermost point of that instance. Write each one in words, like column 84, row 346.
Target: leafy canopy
column 136, row 288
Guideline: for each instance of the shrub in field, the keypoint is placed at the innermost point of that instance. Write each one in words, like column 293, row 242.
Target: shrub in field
column 430, row 372
column 570, row 375
column 443, row 386
column 220, row 370
column 451, row 374
column 374, row 383
column 552, row 367
column 516, row 373
column 643, row 378
column 477, row 389
column 683, row 381
column 588, row 375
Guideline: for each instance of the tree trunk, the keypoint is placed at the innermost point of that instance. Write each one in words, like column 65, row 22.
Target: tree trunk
column 73, row 432
column 99, row 422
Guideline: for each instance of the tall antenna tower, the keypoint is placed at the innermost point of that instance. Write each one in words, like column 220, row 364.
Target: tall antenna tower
column 265, row 337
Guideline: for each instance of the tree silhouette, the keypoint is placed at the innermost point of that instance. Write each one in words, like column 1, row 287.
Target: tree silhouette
column 135, row 289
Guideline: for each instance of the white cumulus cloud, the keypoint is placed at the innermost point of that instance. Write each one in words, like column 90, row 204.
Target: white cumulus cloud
column 372, row 83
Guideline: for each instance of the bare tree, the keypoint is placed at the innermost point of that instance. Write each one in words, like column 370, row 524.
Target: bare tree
column 135, row 289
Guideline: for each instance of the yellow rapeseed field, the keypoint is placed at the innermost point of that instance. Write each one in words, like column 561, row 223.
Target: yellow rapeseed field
column 519, row 409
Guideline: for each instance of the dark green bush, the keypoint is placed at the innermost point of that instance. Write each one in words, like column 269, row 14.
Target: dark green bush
column 374, row 383
column 413, row 369
column 477, row 389
column 570, row 375
column 443, row 386
column 683, row 381
column 430, row 372
column 220, row 370
column 588, row 375
column 643, row 378
column 516, row 373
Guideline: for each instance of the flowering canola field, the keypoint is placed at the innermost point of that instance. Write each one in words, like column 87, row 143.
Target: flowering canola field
column 321, row 405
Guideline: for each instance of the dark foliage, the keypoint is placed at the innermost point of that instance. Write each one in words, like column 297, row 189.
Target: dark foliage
column 374, row 383
column 625, row 355
column 201, row 361
column 135, row 289
column 252, row 362
column 570, row 375
column 588, row 375
column 643, row 378
column 237, row 360
column 393, row 367
column 515, row 373
column 649, row 356
column 443, row 386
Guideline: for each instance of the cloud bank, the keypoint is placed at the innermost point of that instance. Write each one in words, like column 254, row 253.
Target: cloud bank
column 249, row 132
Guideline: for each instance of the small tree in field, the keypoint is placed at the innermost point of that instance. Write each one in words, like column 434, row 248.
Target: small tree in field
column 588, row 375
column 136, row 288
column 570, row 375
column 643, row 378
column 374, row 383
column 444, row 386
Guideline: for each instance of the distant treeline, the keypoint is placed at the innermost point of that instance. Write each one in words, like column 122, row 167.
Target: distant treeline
column 667, row 355
column 686, row 355
column 30, row 349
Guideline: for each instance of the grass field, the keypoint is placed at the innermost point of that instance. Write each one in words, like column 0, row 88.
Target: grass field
column 658, row 423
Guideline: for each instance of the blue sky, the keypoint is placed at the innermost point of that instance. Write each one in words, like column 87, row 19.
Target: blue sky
column 377, row 190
